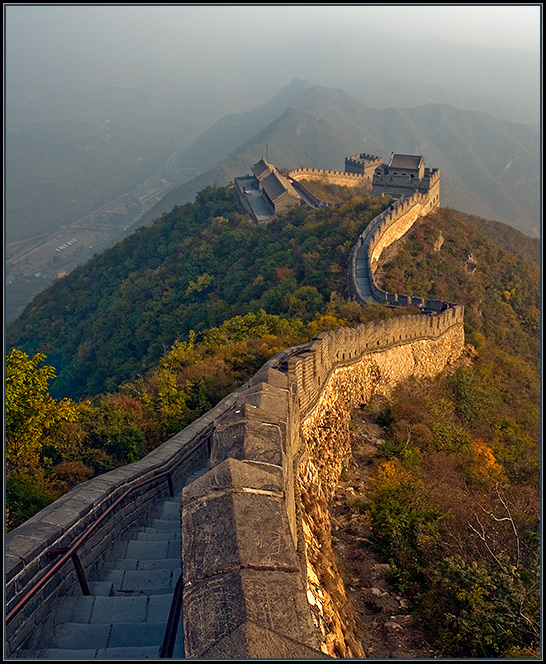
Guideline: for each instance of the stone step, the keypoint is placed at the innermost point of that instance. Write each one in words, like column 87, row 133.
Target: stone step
column 102, row 609
column 128, row 653
column 171, row 507
column 158, row 536
column 153, row 550
column 140, row 565
column 105, row 636
column 88, row 628
column 130, row 634
column 57, row 654
column 103, row 588
column 165, row 524
column 142, row 581
column 126, row 615
column 142, row 550
column 125, row 654
column 172, row 530
column 76, row 635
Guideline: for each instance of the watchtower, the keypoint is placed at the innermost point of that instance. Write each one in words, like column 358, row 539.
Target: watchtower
column 405, row 175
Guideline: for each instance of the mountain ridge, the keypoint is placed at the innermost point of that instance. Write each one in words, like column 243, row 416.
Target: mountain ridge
column 489, row 166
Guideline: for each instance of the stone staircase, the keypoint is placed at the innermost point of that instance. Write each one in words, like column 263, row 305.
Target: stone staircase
column 126, row 614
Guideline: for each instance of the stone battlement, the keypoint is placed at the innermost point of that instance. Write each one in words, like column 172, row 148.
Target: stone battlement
column 247, row 589
column 403, row 176
column 381, row 232
column 362, row 163
column 243, row 517
column 364, row 156
column 246, row 508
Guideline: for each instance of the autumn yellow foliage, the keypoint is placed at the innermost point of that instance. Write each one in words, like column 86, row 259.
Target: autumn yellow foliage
column 484, row 466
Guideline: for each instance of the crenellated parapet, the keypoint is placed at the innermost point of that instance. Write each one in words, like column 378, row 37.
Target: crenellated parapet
column 404, row 175
column 243, row 524
column 381, row 232
column 247, row 591
column 340, row 178
column 311, row 368
column 363, row 163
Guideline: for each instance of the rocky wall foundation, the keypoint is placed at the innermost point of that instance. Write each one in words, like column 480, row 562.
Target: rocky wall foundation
column 326, row 434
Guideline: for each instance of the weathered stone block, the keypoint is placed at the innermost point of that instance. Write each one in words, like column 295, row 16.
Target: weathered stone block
column 247, row 432
column 12, row 566
column 258, row 642
column 270, row 376
column 234, row 473
column 24, row 546
column 236, row 524
column 217, row 611
column 267, row 397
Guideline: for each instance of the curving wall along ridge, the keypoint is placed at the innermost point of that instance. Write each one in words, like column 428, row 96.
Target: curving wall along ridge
column 248, row 590
column 381, row 232
column 402, row 352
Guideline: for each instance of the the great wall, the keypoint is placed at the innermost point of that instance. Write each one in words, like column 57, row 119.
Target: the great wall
column 249, row 587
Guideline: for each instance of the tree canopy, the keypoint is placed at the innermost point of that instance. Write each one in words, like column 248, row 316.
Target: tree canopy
column 33, row 417
column 199, row 265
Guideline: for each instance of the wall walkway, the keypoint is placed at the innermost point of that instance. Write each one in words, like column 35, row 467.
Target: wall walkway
column 325, row 176
column 381, row 232
column 248, row 590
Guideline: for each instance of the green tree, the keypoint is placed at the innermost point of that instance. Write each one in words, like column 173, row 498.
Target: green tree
column 115, row 426
column 33, row 417
column 305, row 302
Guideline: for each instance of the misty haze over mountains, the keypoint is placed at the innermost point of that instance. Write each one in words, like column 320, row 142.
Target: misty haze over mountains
column 489, row 167
column 95, row 111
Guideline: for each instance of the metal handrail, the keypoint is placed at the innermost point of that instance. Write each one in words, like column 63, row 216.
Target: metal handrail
column 173, row 621
column 71, row 551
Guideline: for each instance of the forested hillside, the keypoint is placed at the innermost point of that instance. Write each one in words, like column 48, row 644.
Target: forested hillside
column 447, row 257
column 303, row 125
column 111, row 319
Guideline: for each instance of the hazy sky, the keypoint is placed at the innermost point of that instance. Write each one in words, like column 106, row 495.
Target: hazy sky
column 516, row 26
column 510, row 25
column 206, row 47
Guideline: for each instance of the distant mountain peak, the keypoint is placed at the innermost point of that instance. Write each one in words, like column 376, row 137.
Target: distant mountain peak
column 297, row 84
column 316, row 126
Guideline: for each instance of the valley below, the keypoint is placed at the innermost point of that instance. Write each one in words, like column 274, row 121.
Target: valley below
column 33, row 264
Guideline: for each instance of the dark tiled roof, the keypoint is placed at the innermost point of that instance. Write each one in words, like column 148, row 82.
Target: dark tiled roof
column 405, row 161
column 275, row 186
column 261, row 168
